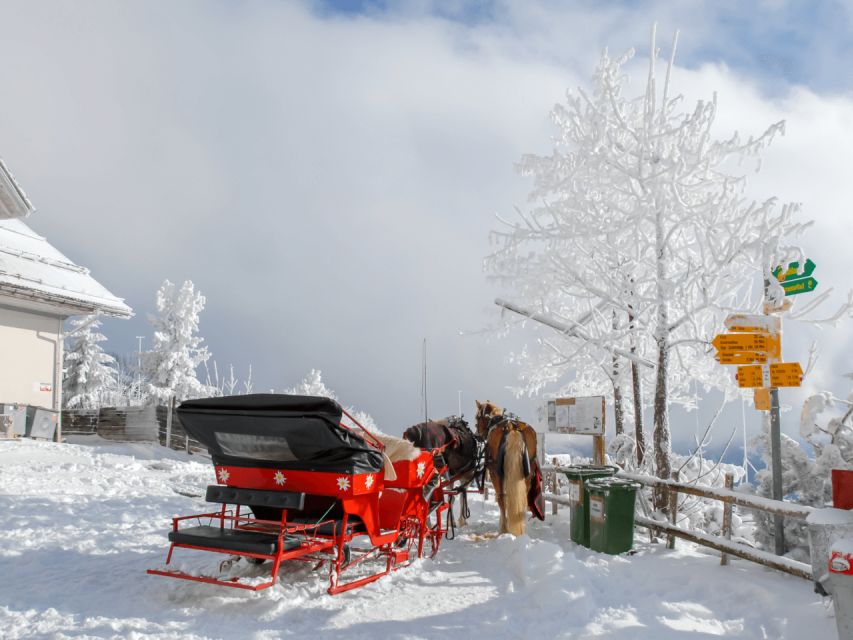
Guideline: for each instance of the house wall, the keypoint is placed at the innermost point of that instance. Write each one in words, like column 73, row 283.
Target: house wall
column 30, row 347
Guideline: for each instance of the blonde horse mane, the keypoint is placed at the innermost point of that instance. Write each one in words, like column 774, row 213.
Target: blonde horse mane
column 515, row 485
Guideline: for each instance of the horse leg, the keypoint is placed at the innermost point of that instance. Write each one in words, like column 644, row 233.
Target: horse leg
column 497, row 483
column 515, row 484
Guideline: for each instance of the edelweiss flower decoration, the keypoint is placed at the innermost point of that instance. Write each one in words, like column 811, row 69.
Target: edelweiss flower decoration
column 343, row 483
column 368, row 481
column 421, row 469
column 279, row 478
column 223, row 475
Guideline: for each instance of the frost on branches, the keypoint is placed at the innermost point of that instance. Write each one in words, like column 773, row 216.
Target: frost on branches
column 313, row 385
column 177, row 351
column 89, row 373
column 639, row 239
column 826, row 424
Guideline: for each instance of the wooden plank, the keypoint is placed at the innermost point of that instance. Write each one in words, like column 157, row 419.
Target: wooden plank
column 727, row 517
column 787, row 509
column 780, row 563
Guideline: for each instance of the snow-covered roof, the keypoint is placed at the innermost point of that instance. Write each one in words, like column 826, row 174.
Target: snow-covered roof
column 13, row 200
column 34, row 271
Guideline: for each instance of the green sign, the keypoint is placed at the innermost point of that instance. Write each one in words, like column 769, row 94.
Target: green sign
column 803, row 285
column 792, row 272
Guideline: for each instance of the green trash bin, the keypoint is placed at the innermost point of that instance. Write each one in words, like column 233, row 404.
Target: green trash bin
column 611, row 514
column 578, row 476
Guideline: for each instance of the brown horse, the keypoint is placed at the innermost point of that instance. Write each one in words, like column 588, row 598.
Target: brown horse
column 460, row 453
column 511, row 461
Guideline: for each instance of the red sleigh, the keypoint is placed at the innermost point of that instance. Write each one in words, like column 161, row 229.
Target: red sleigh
column 298, row 484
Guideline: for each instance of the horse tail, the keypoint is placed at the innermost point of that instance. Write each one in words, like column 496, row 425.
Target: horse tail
column 514, row 483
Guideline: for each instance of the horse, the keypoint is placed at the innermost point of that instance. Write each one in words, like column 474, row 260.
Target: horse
column 510, row 458
column 461, row 453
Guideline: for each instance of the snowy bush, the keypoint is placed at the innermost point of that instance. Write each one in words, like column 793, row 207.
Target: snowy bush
column 171, row 365
column 90, row 374
column 313, row 385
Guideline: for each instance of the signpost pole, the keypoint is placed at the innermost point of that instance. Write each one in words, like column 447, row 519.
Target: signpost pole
column 775, row 449
column 598, row 441
column 776, row 462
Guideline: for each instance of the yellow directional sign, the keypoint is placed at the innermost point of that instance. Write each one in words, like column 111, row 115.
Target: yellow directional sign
column 738, row 343
column 749, row 322
column 741, row 358
column 762, row 399
column 777, row 374
column 786, row 374
column 750, row 376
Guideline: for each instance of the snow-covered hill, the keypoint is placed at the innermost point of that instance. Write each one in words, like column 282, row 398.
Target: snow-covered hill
column 80, row 523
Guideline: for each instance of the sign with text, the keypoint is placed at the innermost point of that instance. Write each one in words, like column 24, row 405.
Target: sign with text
column 777, row 374
column 741, row 358
column 732, row 343
column 750, row 322
column 762, row 399
column 582, row 416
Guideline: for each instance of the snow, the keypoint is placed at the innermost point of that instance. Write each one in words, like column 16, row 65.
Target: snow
column 830, row 516
column 28, row 261
column 81, row 522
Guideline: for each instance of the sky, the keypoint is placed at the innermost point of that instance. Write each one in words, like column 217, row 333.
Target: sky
column 327, row 173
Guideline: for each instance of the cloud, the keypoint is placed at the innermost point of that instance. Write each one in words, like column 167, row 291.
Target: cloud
column 329, row 179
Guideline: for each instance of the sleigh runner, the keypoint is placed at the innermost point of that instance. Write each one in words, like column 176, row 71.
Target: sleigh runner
column 296, row 483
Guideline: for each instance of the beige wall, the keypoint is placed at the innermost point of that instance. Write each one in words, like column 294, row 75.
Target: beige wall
column 28, row 344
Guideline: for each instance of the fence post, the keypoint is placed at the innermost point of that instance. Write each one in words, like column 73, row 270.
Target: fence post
column 169, row 408
column 727, row 517
column 673, row 511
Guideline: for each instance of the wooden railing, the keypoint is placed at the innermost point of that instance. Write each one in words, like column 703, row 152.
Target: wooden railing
column 728, row 497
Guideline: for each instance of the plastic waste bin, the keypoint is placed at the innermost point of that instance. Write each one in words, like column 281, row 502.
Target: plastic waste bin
column 611, row 514
column 578, row 476
column 825, row 526
column 840, row 582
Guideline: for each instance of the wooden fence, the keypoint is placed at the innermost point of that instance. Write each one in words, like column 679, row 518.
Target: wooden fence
column 130, row 424
column 720, row 543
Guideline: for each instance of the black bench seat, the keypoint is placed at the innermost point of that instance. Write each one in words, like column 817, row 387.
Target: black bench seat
column 232, row 539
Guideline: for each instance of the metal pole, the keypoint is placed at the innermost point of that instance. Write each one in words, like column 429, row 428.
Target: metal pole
column 139, row 369
column 775, row 448
column 776, row 462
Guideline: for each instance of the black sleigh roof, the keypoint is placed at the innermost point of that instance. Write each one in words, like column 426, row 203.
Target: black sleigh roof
column 278, row 431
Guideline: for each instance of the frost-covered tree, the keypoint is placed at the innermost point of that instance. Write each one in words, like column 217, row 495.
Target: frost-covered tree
column 90, row 373
column 640, row 238
column 177, row 351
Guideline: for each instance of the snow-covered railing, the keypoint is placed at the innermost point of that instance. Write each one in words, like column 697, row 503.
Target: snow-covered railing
column 727, row 496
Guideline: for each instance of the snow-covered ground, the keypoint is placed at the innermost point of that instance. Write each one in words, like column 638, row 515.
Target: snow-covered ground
column 80, row 523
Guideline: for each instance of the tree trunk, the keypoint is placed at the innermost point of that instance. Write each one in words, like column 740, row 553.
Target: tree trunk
column 637, row 390
column 618, row 410
column 639, row 434
column 662, row 440
column 661, row 435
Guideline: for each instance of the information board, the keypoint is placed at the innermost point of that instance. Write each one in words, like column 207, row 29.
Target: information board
column 582, row 416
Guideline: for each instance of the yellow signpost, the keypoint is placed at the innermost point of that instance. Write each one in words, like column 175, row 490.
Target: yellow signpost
column 750, row 376
column 762, row 399
column 786, row 374
column 775, row 374
column 741, row 358
column 739, row 343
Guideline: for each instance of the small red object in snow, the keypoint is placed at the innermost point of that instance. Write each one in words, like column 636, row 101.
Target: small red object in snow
column 842, row 489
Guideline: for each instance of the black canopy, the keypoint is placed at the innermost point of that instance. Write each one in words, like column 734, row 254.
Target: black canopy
column 278, row 431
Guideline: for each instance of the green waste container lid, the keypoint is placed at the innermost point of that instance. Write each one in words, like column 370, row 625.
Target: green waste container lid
column 582, row 470
column 603, row 485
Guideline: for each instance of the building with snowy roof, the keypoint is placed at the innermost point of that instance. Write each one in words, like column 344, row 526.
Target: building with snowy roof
column 39, row 289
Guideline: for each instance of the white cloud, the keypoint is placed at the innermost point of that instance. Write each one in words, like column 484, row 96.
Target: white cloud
column 329, row 183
